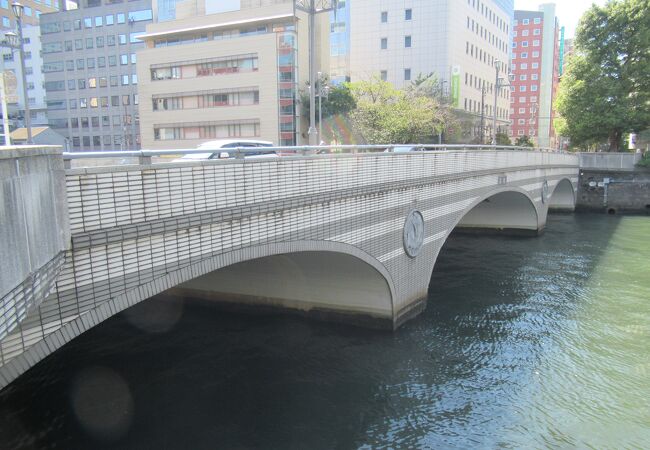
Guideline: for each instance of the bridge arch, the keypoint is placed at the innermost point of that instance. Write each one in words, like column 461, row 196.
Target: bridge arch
column 507, row 209
column 563, row 196
column 345, row 256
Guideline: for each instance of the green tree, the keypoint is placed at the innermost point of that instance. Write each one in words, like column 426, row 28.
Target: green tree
column 523, row 141
column 503, row 139
column 385, row 115
column 339, row 100
column 605, row 92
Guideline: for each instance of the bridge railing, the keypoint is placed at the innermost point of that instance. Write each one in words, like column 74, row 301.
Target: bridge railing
column 148, row 157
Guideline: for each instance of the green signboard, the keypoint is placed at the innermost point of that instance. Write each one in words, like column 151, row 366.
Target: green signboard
column 455, row 86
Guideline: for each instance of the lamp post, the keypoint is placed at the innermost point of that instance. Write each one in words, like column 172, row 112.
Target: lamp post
column 442, row 95
column 313, row 7
column 323, row 91
column 18, row 10
column 498, row 84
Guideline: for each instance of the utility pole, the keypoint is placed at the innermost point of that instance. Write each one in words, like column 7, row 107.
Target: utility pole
column 497, row 87
column 442, row 95
column 497, row 64
column 313, row 7
column 483, row 115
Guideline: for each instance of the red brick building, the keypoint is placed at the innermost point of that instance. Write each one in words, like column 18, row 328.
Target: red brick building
column 535, row 69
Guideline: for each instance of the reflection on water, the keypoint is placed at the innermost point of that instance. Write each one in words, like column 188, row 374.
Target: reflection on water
column 541, row 342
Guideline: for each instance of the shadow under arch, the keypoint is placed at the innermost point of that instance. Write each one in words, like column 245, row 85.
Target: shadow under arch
column 509, row 210
column 57, row 338
column 505, row 210
column 563, row 197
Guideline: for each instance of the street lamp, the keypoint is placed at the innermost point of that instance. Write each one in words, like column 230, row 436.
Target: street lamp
column 323, row 91
column 498, row 84
column 442, row 95
column 19, row 10
column 313, row 7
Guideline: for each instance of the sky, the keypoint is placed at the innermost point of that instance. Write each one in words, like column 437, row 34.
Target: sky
column 567, row 11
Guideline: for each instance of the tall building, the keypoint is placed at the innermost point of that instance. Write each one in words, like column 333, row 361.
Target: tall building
column 31, row 14
column 33, row 60
column 233, row 69
column 89, row 62
column 340, row 43
column 536, row 70
column 33, row 75
column 460, row 41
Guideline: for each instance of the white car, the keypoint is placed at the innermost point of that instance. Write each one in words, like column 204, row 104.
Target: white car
column 219, row 150
column 404, row 149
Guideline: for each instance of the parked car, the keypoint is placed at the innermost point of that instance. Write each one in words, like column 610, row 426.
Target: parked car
column 219, row 150
column 404, row 149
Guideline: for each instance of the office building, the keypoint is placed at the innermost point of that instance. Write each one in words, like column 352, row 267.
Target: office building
column 33, row 61
column 340, row 43
column 231, row 69
column 89, row 62
column 460, row 41
column 536, row 70
column 33, row 75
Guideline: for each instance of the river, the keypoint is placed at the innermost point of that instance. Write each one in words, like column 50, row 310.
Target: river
column 526, row 343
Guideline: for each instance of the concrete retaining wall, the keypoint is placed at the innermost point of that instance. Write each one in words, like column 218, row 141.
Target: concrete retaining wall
column 614, row 191
column 35, row 228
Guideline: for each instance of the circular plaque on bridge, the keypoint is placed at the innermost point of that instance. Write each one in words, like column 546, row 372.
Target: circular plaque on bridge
column 413, row 234
column 544, row 191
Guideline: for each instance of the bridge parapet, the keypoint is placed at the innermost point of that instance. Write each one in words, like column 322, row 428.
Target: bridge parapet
column 35, row 230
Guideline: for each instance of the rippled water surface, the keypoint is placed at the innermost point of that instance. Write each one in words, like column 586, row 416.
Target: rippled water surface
column 536, row 342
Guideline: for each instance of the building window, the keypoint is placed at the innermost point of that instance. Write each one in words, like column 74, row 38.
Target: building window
column 109, row 19
column 384, row 43
column 384, row 16
column 537, row 32
column 537, row 20
column 99, row 21
column 408, row 14
column 525, row 22
column 125, row 80
column 407, row 74
column 124, row 60
column 112, row 60
column 536, row 43
column 383, row 75
column 535, row 54
column 407, row 41
column 533, row 87
column 110, row 40
column 524, row 32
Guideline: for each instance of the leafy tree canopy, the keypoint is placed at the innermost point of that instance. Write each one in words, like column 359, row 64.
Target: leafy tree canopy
column 605, row 91
column 523, row 141
column 386, row 115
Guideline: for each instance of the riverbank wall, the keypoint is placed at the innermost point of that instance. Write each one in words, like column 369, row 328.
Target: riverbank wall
column 614, row 191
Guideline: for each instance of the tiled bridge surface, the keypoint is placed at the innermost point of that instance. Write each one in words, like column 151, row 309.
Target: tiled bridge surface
column 322, row 234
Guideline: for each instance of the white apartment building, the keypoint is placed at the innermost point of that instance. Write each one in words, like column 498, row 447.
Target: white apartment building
column 461, row 41
column 34, row 76
column 233, row 69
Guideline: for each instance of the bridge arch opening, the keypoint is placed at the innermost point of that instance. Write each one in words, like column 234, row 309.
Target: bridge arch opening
column 319, row 284
column 506, row 211
column 563, row 197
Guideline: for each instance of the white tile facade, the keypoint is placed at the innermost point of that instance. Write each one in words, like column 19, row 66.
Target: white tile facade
column 140, row 230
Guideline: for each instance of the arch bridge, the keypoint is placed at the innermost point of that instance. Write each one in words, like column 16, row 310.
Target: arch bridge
column 350, row 236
